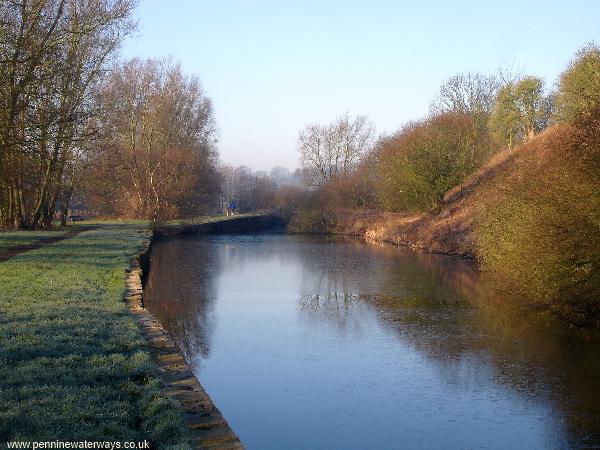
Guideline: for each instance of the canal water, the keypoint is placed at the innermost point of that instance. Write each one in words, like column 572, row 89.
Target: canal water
column 308, row 342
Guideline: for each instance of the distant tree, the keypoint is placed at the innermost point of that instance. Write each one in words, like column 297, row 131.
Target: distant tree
column 227, row 177
column 467, row 93
column 334, row 150
column 519, row 111
column 243, row 185
column 281, row 175
column 249, row 190
column 578, row 92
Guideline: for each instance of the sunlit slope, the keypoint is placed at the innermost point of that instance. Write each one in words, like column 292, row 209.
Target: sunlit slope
column 531, row 215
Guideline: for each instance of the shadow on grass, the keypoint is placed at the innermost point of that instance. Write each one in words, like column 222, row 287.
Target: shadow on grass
column 72, row 361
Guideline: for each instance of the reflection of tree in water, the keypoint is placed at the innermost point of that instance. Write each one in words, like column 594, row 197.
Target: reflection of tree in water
column 531, row 353
column 438, row 305
column 341, row 310
column 181, row 287
column 471, row 331
column 332, row 301
column 180, row 292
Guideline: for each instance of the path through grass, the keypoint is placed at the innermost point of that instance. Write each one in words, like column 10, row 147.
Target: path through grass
column 13, row 239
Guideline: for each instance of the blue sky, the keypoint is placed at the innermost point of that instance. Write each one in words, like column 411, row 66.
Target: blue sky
column 272, row 67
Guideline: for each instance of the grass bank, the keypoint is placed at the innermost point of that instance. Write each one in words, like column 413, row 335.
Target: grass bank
column 72, row 360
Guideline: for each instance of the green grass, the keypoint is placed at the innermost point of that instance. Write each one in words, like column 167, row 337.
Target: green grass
column 72, row 364
column 14, row 239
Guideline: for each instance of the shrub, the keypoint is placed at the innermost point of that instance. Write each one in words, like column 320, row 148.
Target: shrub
column 578, row 95
column 425, row 159
column 540, row 230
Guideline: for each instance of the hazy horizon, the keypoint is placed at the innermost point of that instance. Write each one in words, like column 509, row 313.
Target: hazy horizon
column 272, row 68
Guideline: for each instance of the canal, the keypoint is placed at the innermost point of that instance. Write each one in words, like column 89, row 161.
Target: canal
column 311, row 342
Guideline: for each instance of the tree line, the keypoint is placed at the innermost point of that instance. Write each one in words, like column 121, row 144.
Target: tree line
column 138, row 138
column 157, row 158
column 130, row 138
column 473, row 117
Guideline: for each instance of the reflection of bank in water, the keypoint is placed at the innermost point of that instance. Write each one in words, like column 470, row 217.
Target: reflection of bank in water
column 435, row 309
column 451, row 313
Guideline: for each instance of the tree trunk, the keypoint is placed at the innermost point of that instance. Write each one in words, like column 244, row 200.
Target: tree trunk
column 65, row 206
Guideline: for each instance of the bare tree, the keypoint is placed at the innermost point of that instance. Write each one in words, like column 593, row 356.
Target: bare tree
column 281, row 176
column 246, row 189
column 468, row 93
column 159, row 149
column 329, row 151
column 53, row 54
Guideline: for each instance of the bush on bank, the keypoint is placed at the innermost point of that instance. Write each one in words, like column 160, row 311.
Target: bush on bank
column 425, row 159
column 540, row 227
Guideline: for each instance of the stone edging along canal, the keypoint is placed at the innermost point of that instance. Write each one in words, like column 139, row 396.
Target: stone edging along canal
column 208, row 427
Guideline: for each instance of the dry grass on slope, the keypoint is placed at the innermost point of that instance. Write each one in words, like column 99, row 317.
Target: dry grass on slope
column 449, row 229
column 537, row 224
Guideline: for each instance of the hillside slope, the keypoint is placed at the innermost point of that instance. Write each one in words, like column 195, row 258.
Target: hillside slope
column 449, row 229
column 530, row 216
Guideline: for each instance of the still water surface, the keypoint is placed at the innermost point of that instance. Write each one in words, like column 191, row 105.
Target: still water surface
column 309, row 342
